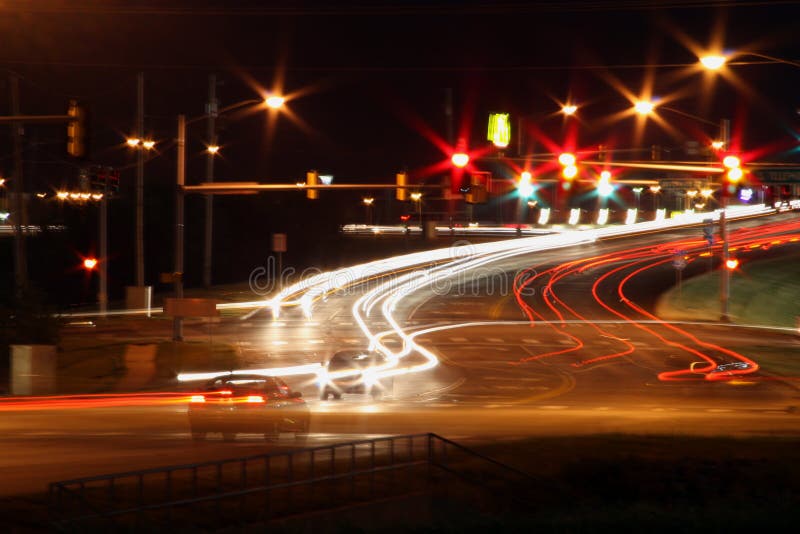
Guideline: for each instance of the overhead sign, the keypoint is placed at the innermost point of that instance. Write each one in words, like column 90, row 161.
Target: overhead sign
column 278, row 242
column 776, row 176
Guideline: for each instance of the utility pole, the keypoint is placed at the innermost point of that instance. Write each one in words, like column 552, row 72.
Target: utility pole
column 102, row 293
column 20, row 259
column 725, row 274
column 177, row 321
column 211, row 135
column 140, row 181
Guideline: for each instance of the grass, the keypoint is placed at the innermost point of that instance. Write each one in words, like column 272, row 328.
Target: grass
column 765, row 292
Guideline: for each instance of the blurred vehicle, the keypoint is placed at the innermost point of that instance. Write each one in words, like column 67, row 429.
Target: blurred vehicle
column 354, row 371
column 259, row 404
column 733, row 366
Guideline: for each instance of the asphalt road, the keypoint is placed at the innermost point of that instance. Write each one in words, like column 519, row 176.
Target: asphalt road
column 500, row 377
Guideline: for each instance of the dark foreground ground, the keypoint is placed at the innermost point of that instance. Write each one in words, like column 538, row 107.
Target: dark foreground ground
column 577, row 484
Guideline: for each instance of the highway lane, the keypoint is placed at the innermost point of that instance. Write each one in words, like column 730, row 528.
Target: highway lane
column 481, row 390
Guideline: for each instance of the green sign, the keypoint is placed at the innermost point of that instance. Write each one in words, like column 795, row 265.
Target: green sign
column 499, row 129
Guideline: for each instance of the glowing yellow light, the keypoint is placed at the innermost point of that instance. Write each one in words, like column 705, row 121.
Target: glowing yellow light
column 132, row 142
column 255, row 398
column 149, row 144
column 275, row 101
column 605, row 176
column 735, row 174
column 40, row 195
column 460, row 159
column 569, row 172
column 566, row 159
column 644, row 107
column 62, row 195
column 2, row 181
column 212, row 149
column 74, row 196
column 569, row 109
column 713, row 62
column 197, row 398
column 89, row 263
column 499, row 129
column 691, row 193
column 706, row 192
column 655, row 188
column 85, row 196
column 416, row 196
column 731, row 162
column 97, row 196
column 717, row 145
column 368, row 201
column 732, row 263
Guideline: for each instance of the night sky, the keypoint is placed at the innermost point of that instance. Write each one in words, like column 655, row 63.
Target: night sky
column 366, row 84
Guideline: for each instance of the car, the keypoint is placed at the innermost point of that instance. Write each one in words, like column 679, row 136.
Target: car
column 354, row 371
column 232, row 404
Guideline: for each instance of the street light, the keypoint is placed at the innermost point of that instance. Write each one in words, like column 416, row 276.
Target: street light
column 368, row 201
column 713, row 62
column 569, row 109
column 644, row 107
column 275, row 101
column 417, row 197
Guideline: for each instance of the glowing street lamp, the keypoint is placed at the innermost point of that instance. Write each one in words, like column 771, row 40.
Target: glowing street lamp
column 133, row 142
column 89, row 264
column 275, row 101
column 644, row 107
column 718, row 145
column 212, row 149
column 417, row 197
column 713, row 62
column 148, row 144
column 569, row 109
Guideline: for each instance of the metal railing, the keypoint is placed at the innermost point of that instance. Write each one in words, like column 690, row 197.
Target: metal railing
column 268, row 486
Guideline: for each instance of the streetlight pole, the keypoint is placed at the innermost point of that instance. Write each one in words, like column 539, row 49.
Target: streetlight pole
column 177, row 321
column 211, row 135
column 140, row 181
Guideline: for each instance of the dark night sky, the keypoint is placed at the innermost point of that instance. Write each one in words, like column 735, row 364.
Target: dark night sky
column 365, row 78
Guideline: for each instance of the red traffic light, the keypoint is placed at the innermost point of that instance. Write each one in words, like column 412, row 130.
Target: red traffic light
column 404, row 218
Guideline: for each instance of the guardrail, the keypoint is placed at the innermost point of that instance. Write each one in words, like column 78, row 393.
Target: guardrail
column 263, row 487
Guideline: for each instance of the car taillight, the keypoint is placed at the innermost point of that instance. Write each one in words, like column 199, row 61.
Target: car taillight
column 198, row 398
column 255, row 398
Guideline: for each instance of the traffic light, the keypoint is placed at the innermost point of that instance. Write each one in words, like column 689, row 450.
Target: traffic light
column 476, row 194
column 733, row 164
column 525, row 185
column 401, row 193
column 567, row 161
column 312, row 179
column 76, row 130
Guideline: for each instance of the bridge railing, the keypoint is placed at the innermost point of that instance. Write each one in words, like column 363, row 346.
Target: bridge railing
column 267, row 486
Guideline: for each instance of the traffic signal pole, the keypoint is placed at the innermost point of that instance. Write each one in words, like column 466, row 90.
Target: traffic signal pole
column 725, row 275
